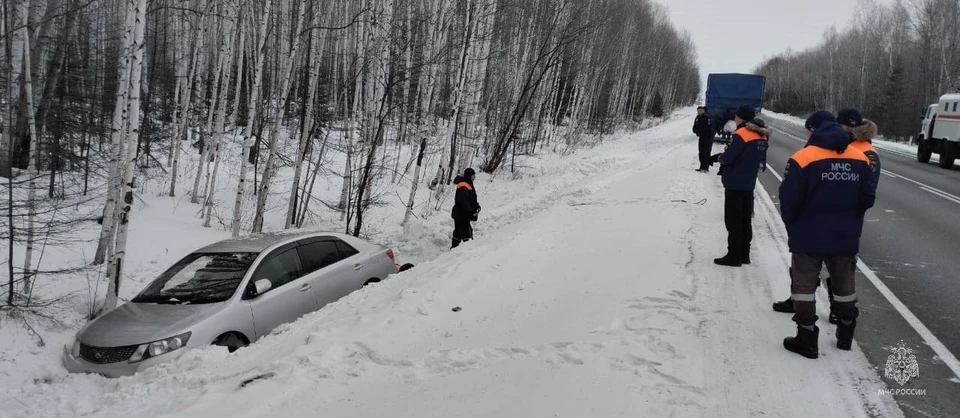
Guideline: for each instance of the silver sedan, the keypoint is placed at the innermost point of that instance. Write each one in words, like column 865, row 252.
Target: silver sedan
column 230, row 293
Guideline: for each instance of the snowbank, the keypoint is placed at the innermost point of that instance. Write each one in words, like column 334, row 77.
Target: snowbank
column 590, row 291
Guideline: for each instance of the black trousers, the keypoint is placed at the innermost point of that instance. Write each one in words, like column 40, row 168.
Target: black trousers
column 462, row 231
column 706, row 146
column 738, row 217
column 805, row 277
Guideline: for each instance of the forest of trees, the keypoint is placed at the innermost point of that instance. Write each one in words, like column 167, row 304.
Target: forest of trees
column 97, row 93
column 893, row 60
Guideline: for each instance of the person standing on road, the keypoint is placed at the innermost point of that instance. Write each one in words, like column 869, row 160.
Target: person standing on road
column 703, row 129
column 739, row 166
column 862, row 131
column 465, row 207
column 811, row 124
column 824, row 195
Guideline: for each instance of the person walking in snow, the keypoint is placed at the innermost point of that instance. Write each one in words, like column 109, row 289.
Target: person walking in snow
column 465, row 207
column 703, row 129
column 826, row 191
column 739, row 166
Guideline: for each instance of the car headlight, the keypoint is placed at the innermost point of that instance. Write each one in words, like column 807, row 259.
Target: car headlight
column 75, row 348
column 156, row 348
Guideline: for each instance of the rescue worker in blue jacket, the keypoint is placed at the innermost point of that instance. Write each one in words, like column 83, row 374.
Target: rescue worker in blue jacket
column 862, row 131
column 826, row 191
column 703, row 129
column 465, row 207
column 739, row 166
column 811, row 124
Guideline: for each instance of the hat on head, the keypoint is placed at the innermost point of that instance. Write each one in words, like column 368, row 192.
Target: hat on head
column 746, row 113
column 813, row 122
column 850, row 117
column 469, row 172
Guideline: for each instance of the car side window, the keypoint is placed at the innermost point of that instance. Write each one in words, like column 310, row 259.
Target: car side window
column 280, row 269
column 317, row 255
column 346, row 250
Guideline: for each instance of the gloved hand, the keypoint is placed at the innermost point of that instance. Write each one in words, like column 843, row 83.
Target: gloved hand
column 476, row 215
column 715, row 158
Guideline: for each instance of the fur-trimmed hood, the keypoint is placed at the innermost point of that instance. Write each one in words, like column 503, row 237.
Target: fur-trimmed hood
column 867, row 131
column 759, row 126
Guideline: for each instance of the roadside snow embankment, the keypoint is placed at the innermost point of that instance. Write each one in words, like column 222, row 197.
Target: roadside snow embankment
column 595, row 295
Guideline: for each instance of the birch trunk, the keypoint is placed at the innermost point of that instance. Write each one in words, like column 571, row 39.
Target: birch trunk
column 308, row 194
column 413, row 189
column 32, row 168
column 209, row 135
column 115, row 271
column 282, row 97
column 220, row 127
column 118, row 131
column 254, row 96
column 183, row 129
column 307, row 127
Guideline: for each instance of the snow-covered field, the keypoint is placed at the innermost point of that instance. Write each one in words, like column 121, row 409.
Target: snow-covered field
column 589, row 291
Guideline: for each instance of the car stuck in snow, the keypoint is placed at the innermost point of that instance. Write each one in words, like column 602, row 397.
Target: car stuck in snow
column 230, row 294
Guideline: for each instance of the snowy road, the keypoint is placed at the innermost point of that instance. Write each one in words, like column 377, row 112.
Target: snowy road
column 604, row 303
column 910, row 243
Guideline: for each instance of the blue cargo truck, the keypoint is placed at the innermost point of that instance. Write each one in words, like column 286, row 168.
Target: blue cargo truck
column 727, row 92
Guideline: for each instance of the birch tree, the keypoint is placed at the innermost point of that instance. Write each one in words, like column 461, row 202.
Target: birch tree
column 136, row 21
column 254, row 95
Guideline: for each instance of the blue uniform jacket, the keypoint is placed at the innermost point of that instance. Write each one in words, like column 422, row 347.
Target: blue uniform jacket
column 826, row 190
column 745, row 157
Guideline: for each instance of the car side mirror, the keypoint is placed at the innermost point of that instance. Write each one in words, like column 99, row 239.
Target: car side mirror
column 262, row 286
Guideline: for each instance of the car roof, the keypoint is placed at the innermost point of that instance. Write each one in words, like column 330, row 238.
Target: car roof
column 256, row 243
column 950, row 97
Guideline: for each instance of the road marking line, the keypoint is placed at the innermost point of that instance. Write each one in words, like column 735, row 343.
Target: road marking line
column 925, row 187
column 774, row 172
column 948, row 197
column 941, row 350
column 945, row 355
column 929, row 188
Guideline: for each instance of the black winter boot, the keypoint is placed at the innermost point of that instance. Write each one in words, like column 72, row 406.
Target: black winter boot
column 729, row 260
column 805, row 343
column 833, row 316
column 845, row 334
column 745, row 257
column 785, row 306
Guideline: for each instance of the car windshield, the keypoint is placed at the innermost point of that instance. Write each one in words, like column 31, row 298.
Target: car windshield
column 199, row 278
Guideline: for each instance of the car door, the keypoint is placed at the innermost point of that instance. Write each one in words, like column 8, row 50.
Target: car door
column 332, row 276
column 291, row 295
column 360, row 269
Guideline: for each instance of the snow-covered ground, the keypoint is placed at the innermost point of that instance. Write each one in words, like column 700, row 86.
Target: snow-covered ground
column 589, row 291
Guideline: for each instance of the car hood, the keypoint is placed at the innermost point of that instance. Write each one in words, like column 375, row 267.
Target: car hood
column 139, row 323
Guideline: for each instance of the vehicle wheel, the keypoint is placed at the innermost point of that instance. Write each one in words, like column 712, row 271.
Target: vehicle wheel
column 947, row 155
column 232, row 340
column 923, row 152
column 373, row 280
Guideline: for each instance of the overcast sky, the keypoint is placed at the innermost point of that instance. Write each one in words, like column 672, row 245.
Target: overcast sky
column 736, row 35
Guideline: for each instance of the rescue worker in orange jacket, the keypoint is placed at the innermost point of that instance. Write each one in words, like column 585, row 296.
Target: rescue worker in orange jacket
column 826, row 190
column 465, row 207
column 739, row 166
column 861, row 131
